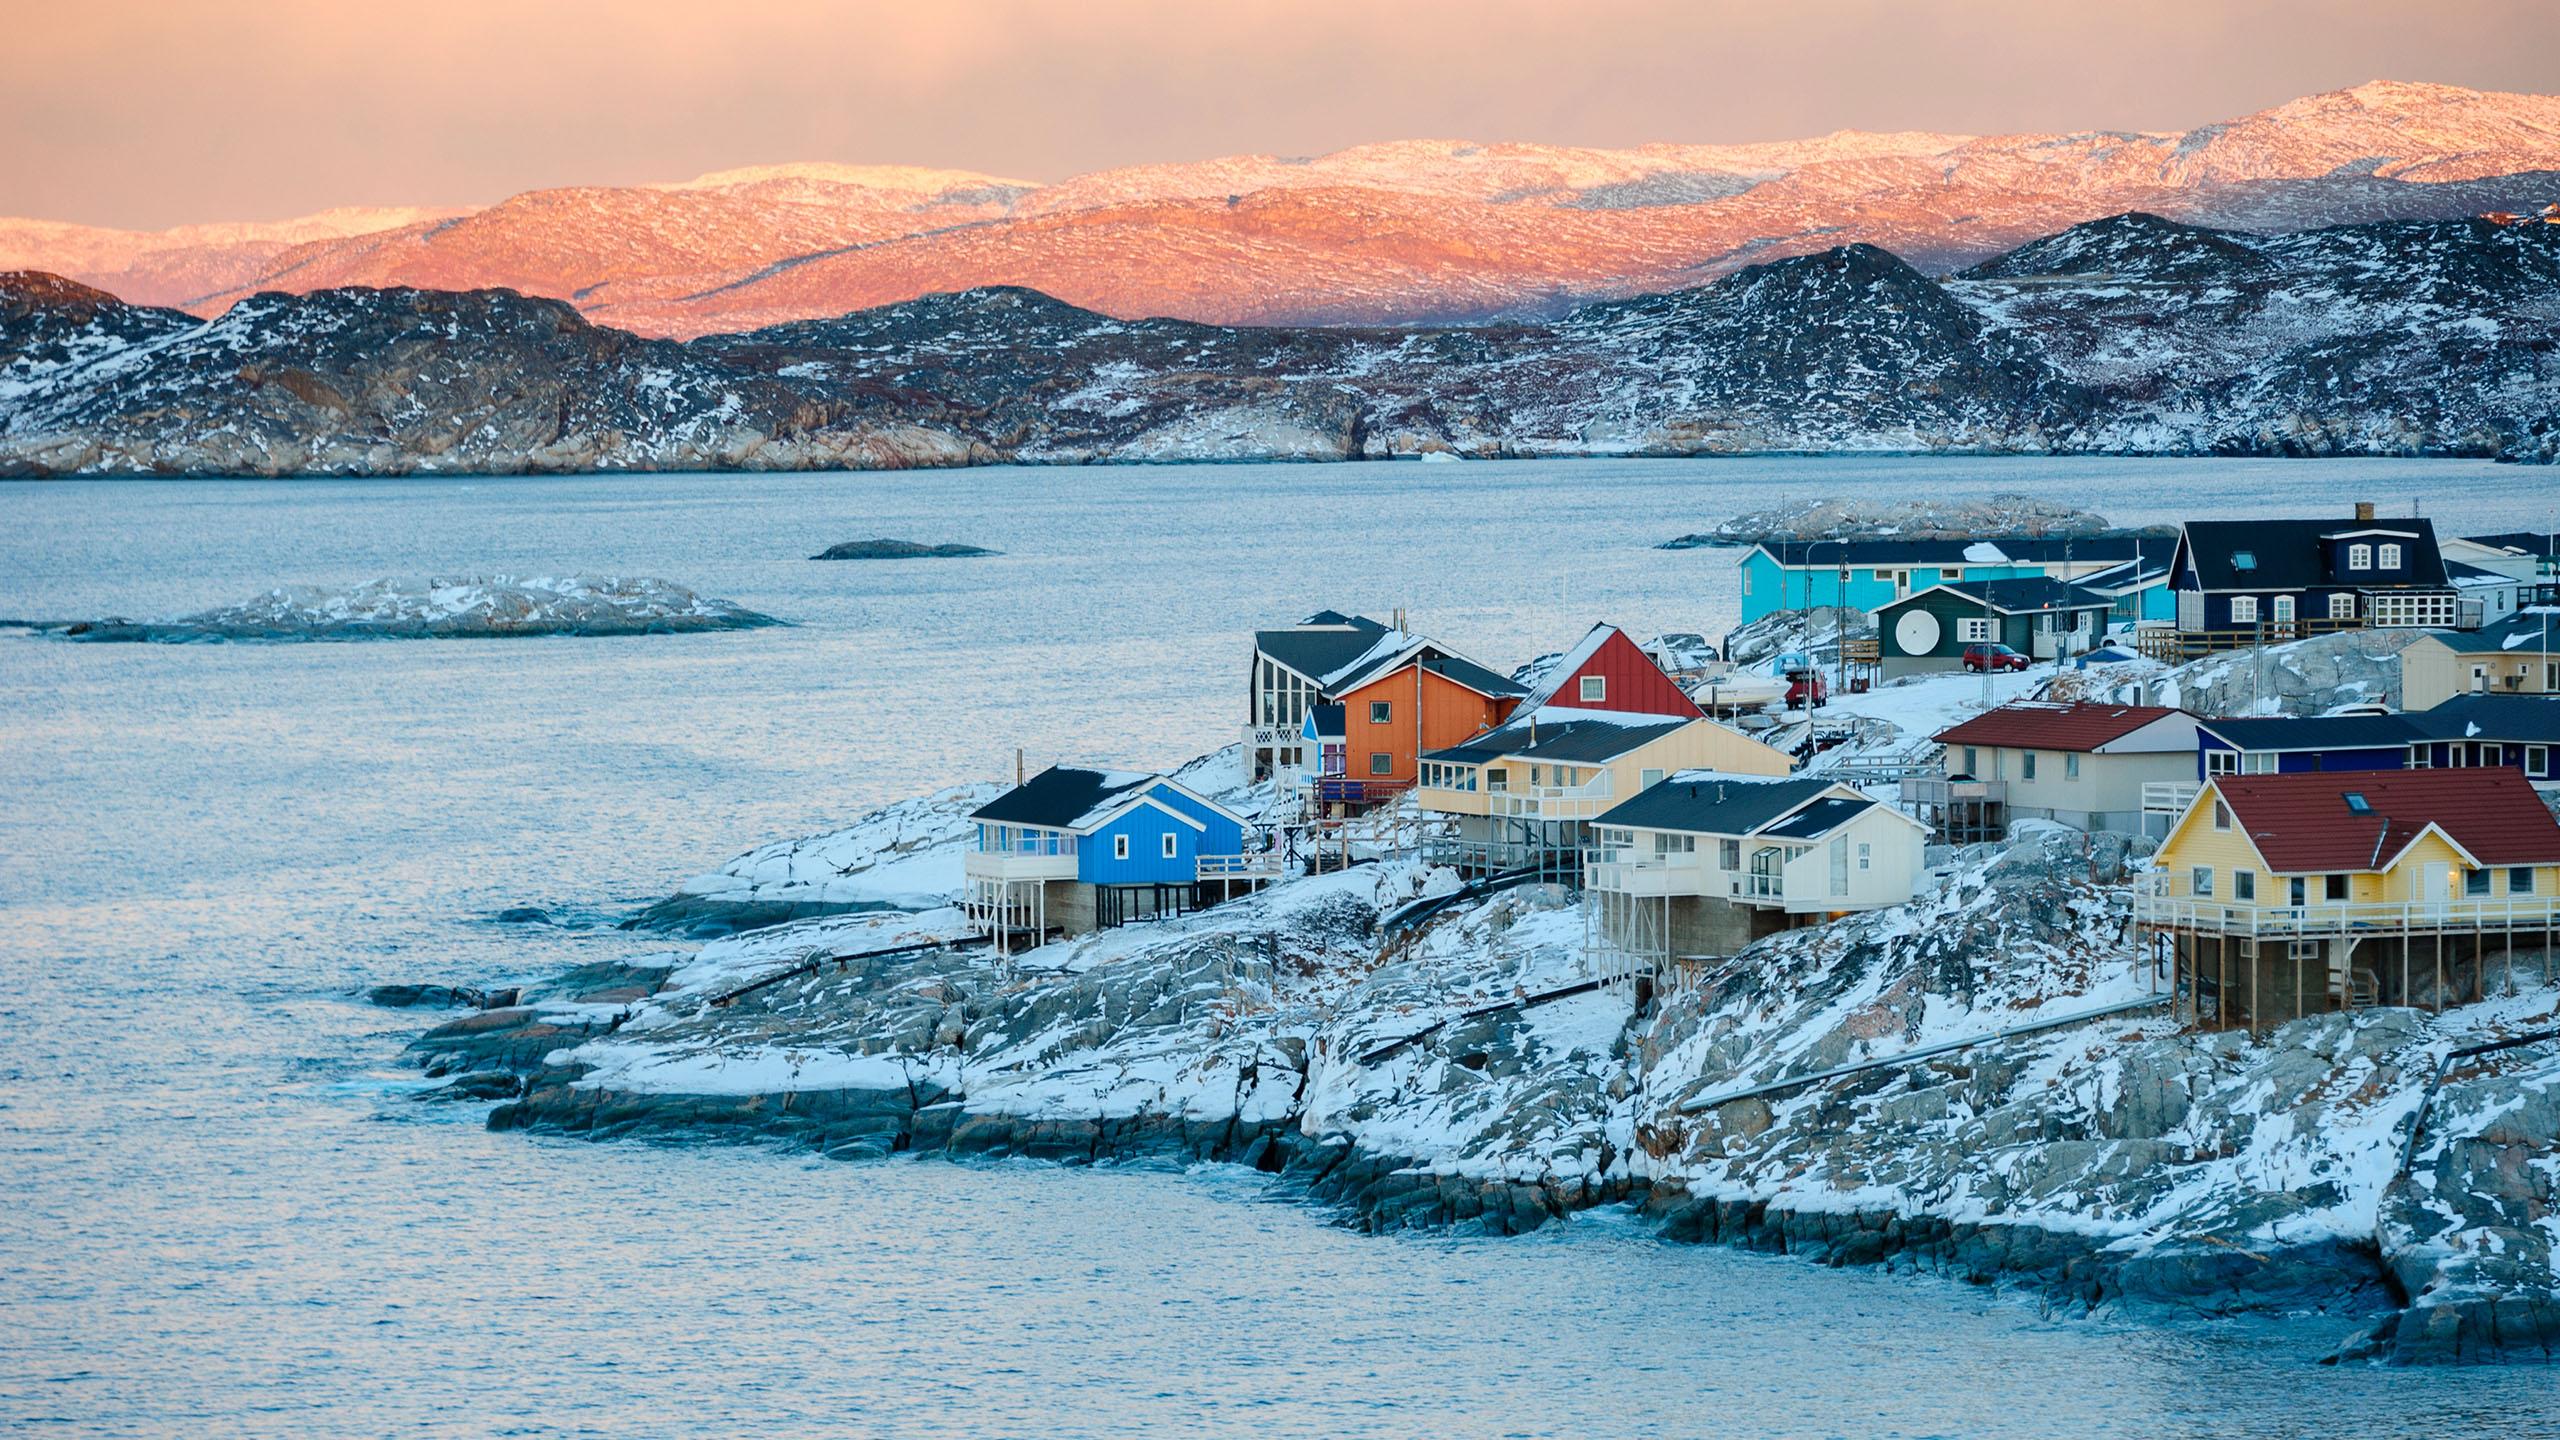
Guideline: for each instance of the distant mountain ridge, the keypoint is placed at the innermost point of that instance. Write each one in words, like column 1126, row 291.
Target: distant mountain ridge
column 1404, row 232
column 2134, row 334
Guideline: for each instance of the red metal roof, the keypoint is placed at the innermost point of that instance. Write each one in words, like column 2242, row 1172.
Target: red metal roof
column 2034, row 725
column 2303, row 824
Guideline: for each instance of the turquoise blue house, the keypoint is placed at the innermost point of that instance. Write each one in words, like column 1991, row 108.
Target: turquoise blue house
column 2132, row 571
column 1072, row 850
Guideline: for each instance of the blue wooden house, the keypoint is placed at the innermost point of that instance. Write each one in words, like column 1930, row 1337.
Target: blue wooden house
column 2238, row 582
column 1071, row 851
column 2486, row 729
column 2291, row 744
column 1871, row 574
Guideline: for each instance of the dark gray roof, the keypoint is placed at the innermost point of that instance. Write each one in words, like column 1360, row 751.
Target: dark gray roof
column 1474, row 676
column 1570, row 742
column 1059, row 796
column 2530, row 542
column 1717, row 805
column 1318, row 652
column 2033, row 595
column 1328, row 720
column 2313, row 732
column 1435, row 658
column 2288, row 554
column 2035, row 550
column 1819, row 818
column 2531, row 719
column 2524, row 629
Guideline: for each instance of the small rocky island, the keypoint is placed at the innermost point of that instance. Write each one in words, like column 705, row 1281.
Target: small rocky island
column 899, row 550
column 472, row 607
column 1923, row 519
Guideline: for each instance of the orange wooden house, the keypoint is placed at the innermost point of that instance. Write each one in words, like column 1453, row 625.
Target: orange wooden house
column 1421, row 696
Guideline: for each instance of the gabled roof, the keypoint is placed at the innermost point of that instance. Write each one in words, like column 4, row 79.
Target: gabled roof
column 2523, row 542
column 2303, row 824
column 2029, row 595
column 1061, row 796
column 1705, row 802
column 2523, row 630
column 2038, row 725
column 1323, row 722
column 2529, row 719
column 2463, row 572
column 2312, row 732
column 1548, row 683
column 1573, row 737
column 1820, row 818
column 1431, row 656
column 2288, row 554
column 1320, row 644
column 2134, row 574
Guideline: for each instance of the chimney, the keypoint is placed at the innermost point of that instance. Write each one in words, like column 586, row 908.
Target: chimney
column 1017, row 765
column 2364, row 512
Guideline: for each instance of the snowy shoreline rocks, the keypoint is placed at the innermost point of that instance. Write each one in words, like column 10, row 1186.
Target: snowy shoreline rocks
column 1439, row 1078
column 437, row 608
column 899, row 550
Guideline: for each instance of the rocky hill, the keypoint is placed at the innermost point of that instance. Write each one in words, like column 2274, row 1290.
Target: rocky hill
column 2130, row 335
column 1406, row 232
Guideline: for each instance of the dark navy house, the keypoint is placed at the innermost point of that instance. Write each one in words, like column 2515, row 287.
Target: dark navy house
column 2240, row 580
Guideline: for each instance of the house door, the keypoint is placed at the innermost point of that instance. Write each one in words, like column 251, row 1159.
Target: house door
column 2284, row 613
column 2435, row 885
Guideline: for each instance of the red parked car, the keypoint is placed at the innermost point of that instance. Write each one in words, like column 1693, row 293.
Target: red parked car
column 1805, row 689
column 1994, row 657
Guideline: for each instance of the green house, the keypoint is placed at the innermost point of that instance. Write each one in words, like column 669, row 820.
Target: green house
column 2039, row 618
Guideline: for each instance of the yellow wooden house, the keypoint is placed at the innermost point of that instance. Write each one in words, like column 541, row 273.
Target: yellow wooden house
column 1525, row 793
column 2277, row 896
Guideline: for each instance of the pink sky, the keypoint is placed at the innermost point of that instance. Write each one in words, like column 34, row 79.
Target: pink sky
column 150, row 114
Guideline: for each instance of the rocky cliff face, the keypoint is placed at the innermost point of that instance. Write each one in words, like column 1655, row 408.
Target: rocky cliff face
column 2134, row 335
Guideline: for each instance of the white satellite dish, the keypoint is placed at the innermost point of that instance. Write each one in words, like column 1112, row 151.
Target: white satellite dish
column 1916, row 632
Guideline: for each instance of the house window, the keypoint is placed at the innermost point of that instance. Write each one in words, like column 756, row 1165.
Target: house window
column 2284, row 609
column 2342, row 606
column 2200, row 881
column 1729, row 854
column 2244, row 609
column 1867, row 858
column 1169, row 847
column 1972, row 761
column 1381, row 711
column 2537, row 760
column 2390, row 557
column 1746, row 580
column 2221, row 816
column 2244, row 884
column 1973, row 630
column 2221, row 762
column 2336, row 887
column 2297, row 892
column 2421, row 611
column 1497, row 778
column 1119, row 847
column 1647, row 779
column 1595, row 688
column 2359, row 557
column 1382, row 762
column 2071, row 766
column 2421, row 757
column 2027, row 766
column 2520, row 880
column 2258, row 762
column 2475, row 882
column 1675, row 844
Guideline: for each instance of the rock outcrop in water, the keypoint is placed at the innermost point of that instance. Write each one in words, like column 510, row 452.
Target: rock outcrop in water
column 478, row 607
column 898, row 550
column 2129, row 336
column 2118, row 1163
column 1924, row 519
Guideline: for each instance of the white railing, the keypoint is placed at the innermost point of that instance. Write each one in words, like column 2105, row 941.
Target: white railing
column 1035, row 842
column 1553, row 802
column 2165, row 903
column 1760, row 885
column 1636, row 872
column 1249, row 865
column 1939, row 790
column 2168, row 797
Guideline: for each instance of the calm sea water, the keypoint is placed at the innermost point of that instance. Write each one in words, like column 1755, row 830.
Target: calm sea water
column 221, row 1213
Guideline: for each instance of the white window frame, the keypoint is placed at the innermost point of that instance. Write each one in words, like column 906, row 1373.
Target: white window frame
column 1647, row 779
column 2359, row 556
column 2537, row 760
column 1973, row 630
column 1119, row 847
column 2244, row 609
column 1593, row 689
column 2071, row 765
column 2200, row 881
column 2342, row 605
column 2221, row 762
column 2221, row 816
column 2389, row 557
column 2283, row 608
column 1171, row 846
column 2259, row 762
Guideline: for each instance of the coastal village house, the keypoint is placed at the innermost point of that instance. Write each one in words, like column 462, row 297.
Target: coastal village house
column 1705, row 863
column 2278, row 896
column 2465, row 732
column 1603, row 723
column 1287, row 678
column 1070, row 851
column 2517, row 655
column 2083, row 764
column 2531, row 558
column 1871, row 574
column 2246, row 582
column 2038, row 618
column 1397, row 694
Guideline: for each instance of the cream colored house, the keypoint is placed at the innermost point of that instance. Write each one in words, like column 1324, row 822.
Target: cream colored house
column 2519, row 655
column 2283, row 895
column 2085, row 765
column 1526, row 792
column 1704, row 863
